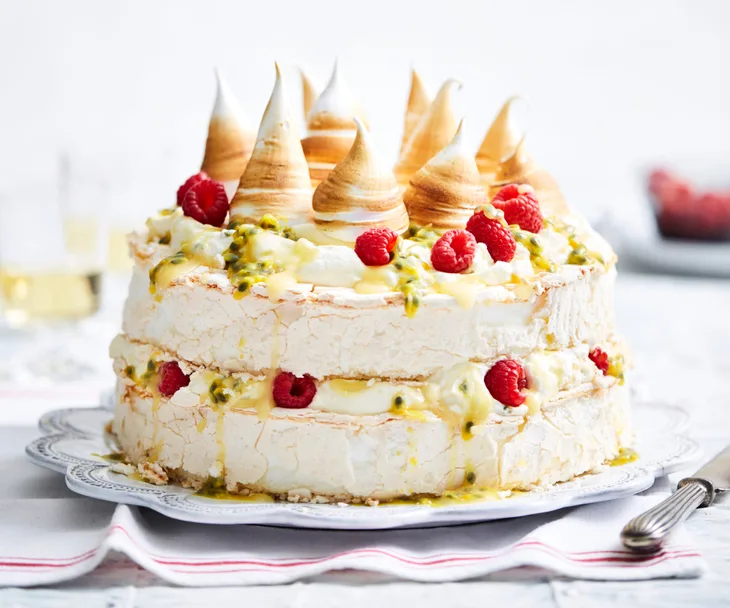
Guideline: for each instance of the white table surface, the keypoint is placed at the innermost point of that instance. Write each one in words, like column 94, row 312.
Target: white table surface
column 679, row 331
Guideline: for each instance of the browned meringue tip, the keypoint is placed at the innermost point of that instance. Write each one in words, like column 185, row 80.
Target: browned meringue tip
column 520, row 168
column 418, row 102
column 500, row 140
column 358, row 194
column 276, row 179
column 230, row 140
column 435, row 130
column 447, row 189
column 309, row 93
column 330, row 127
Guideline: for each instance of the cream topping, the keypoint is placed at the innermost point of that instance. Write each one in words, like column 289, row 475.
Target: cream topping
column 457, row 393
column 327, row 262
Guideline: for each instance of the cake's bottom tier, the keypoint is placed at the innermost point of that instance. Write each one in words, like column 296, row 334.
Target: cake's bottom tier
column 314, row 456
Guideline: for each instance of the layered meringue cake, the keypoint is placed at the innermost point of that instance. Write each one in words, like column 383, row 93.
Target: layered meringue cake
column 310, row 324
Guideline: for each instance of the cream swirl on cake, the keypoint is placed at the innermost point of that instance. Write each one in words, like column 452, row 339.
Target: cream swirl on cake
column 499, row 142
column 230, row 139
column 331, row 127
column 418, row 103
column 445, row 191
column 358, row 194
column 435, row 129
column 276, row 179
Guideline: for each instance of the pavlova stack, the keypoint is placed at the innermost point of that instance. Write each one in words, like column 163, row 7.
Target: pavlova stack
column 336, row 330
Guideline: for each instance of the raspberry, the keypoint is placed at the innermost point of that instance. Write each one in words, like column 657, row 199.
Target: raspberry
column 454, row 251
column 293, row 392
column 506, row 193
column 600, row 358
column 520, row 207
column 494, row 234
column 172, row 378
column 206, row 202
column 189, row 183
column 505, row 381
column 374, row 246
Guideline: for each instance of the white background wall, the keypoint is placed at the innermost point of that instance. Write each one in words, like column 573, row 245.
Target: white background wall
column 124, row 88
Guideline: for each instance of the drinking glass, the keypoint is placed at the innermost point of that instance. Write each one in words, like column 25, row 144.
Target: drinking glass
column 51, row 250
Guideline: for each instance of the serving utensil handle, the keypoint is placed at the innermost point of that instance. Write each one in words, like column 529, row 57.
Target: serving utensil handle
column 646, row 532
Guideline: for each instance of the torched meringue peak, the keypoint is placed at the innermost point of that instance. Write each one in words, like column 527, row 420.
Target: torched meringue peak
column 276, row 180
column 418, row 102
column 500, row 141
column 309, row 94
column 331, row 127
column 358, row 194
column 434, row 131
column 230, row 139
column 445, row 191
column 520, row 168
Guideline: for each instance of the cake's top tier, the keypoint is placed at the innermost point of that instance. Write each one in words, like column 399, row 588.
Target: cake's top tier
column 476, row 223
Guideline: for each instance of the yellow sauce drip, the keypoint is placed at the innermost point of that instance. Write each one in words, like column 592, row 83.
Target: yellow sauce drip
column 220, row 436
column 215, row 488
column 225, row 495
column 169, row 269
column 200, row 427
column 625, row 456
column 454, row 497
column 464, row 290
column 346, row 387
column 278, row 284
column 374, row 280
column 111, row 457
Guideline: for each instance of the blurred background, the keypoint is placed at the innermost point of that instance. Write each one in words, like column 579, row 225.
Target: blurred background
column 104, row 109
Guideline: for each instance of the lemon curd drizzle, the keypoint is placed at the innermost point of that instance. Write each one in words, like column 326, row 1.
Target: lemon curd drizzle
column 414, row 278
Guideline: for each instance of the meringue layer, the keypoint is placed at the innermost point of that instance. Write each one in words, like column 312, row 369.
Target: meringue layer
column 446, row 190
column 358, row 194
column 276, row 180
column 434, row 131
column 230, row 139
column 308, row 455
column 331, row 127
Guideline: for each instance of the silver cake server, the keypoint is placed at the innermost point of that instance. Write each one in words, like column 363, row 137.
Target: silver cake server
column 646, row 532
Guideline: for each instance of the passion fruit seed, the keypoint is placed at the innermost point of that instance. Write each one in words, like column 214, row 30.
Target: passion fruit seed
column 578, row 257
column 217, row 392
column 269, row 222
column 464, row 387
column 530, row 242
column 130, row 372
column 398, row 402
column 468, row 426
column 165, row 239
column 424, row 236
column 471, row 477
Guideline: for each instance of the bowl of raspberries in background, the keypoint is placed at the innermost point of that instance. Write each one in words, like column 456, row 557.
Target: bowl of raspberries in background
column 690, row 208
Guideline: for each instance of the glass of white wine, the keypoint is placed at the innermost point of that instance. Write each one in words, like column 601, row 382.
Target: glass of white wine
column 52, row 249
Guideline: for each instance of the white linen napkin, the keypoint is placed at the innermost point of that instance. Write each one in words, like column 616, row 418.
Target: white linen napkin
column 45, row 541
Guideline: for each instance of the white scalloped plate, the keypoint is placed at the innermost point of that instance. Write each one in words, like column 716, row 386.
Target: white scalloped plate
column 72, row 437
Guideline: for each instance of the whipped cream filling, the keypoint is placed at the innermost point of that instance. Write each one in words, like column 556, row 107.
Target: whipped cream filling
column 457, row 394
column 320, row 258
